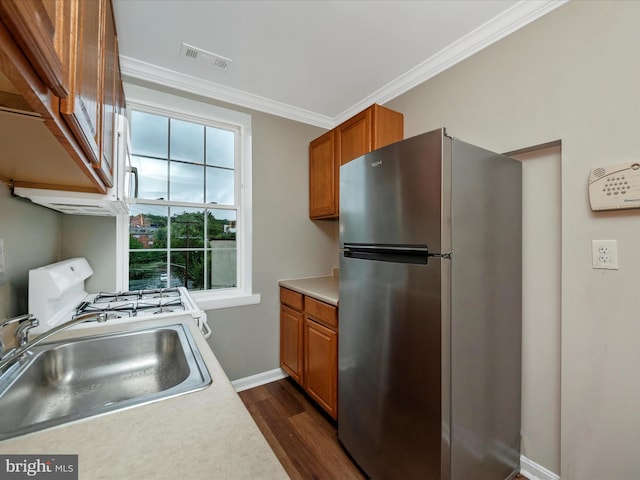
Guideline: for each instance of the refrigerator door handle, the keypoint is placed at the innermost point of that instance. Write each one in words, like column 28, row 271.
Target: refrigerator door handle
column 415, row 254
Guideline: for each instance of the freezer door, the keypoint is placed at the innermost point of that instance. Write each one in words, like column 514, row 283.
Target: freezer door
column 391, row 415
column 393, row 195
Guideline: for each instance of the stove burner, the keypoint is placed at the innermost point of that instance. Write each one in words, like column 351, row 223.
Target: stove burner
column 119, row 311
column 131, row 304
column 160, row 293
column 107, row 297
column 160, row 307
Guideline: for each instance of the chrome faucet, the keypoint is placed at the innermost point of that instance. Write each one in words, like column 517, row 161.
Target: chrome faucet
column 22, row 332
column 24, row 345
column 25, row 322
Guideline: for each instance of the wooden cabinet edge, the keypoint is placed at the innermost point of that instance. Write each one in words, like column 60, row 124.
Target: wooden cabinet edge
column 40, row 98
column 49, row 186
column 76, row 152
column 388, row 126
column 33, row 41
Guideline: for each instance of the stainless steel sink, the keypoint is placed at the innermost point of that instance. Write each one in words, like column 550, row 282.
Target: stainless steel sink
column 72, row 379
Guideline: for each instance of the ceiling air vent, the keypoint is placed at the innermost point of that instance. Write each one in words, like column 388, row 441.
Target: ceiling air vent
column 202, row 56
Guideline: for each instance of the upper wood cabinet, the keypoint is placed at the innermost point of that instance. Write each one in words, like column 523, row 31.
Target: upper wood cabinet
column 39, row 28
column 60, row 86
column 323, row 176
column 372, row 128
column 111, row 96
column 82, row 109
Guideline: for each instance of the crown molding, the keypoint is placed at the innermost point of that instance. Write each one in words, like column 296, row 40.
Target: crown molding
column 516, row 17
column 138, row 69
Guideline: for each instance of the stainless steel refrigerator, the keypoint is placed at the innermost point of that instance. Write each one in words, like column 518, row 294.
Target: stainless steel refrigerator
column 430, row 311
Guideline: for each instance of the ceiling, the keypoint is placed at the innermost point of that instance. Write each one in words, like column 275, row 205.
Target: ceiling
column 315, row 61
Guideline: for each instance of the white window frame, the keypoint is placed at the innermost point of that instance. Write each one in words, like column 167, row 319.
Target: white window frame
column 173, row 106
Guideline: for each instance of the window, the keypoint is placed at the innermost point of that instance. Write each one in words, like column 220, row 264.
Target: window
column 190, row 223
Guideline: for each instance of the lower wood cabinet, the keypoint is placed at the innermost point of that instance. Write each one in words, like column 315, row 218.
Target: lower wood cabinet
column 321, row 365
column 291, row 342
column 309, row 346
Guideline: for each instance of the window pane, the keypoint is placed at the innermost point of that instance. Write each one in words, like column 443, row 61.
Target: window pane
column 149, row 134
column 188, row 269
column 147, row 270
column 147, row 227
column 221, row 224
column 223, row 264
column 220, row 186
column 187, row 227
column 187, row 141
column 185, row 163
column 220, row 147
column 222, row 258
column 153, row 178
column 187, row 183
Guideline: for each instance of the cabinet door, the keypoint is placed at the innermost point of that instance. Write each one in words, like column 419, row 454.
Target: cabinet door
column 353, row 137
column 38, row 27
column 110, row 77
column 82, row 109
column 324, row 182
column 321, row 365
column 291, row 342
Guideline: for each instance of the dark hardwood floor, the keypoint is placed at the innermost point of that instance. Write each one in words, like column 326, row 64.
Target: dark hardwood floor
column 303, row 437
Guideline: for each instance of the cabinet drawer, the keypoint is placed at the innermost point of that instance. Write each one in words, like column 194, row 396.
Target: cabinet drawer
column 322, row 312
column 291, row 298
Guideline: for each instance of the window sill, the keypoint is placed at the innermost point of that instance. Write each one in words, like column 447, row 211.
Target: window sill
column 217, row 300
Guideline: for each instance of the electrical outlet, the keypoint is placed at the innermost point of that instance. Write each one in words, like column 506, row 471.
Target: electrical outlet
column 1, row 255
column 605, row 254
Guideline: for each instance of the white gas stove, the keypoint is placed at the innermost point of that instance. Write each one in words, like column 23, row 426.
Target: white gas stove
column 57, row 294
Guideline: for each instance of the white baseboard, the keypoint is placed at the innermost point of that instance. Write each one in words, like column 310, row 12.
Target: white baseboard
column 533, row 471
column 258, row 379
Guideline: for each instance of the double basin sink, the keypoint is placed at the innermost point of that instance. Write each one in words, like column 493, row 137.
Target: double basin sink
column 72, row 379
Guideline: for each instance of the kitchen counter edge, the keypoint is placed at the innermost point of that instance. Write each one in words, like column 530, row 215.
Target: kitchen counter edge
column 325, row 289
column 204, row 434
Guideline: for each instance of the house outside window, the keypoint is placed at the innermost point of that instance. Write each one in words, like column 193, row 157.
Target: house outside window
column 190, row 224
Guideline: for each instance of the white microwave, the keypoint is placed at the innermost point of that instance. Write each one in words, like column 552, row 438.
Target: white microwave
column 114, row 202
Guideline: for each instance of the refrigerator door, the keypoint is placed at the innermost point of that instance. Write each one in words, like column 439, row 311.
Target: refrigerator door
column 393, row 382
column 393, row 195
column 390, row 384
column 486, row 309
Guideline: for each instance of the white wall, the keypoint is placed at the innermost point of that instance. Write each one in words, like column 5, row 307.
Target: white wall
column 95, row 239
column 541, row 306
column 31, row 236
column 286, row 244
column 573, row 76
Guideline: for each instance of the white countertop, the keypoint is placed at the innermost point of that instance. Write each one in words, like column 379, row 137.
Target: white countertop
column 207, row 434
column 324, row 289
